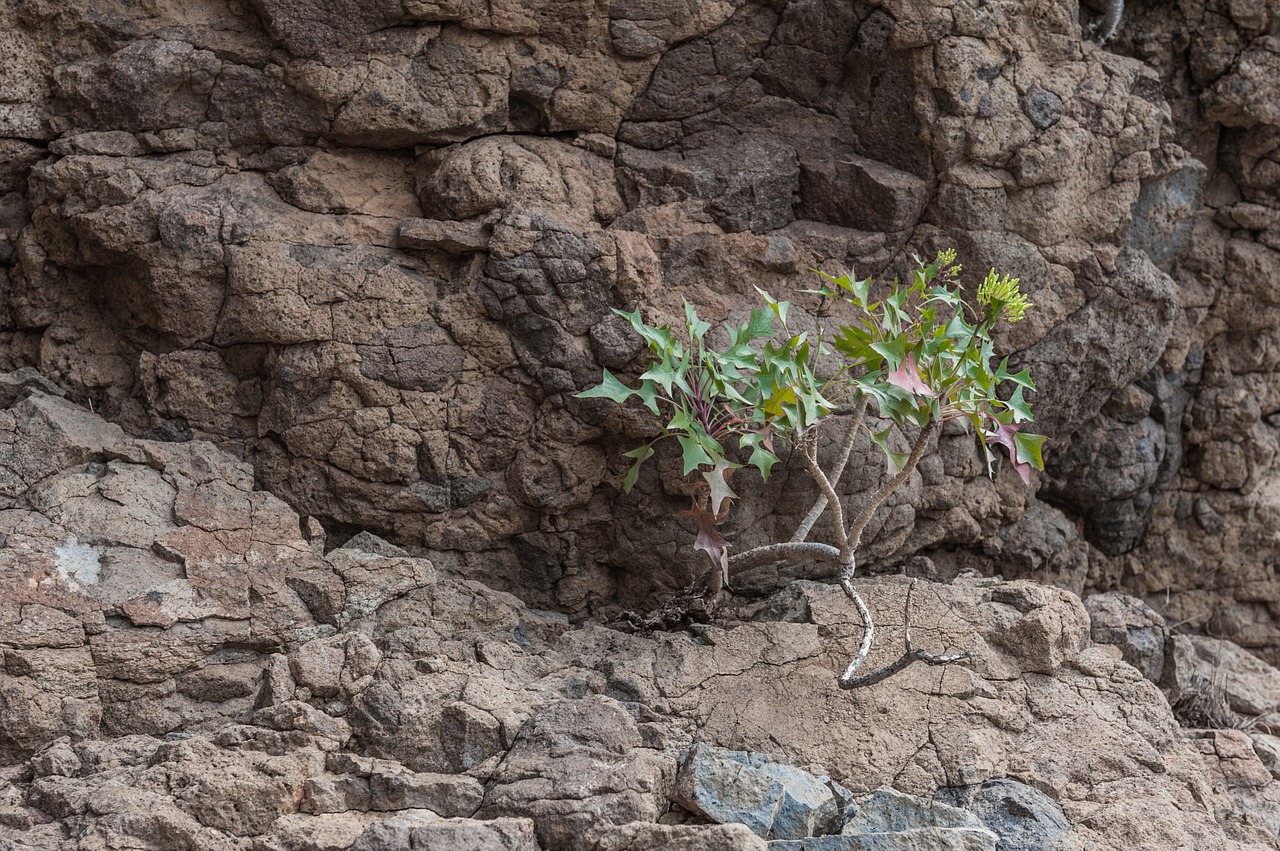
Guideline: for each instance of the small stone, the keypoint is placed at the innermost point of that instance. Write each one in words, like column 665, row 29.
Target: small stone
column 58, row 759
column 918, row 823
column 640, row 836
column 176, row 430
column 1044, row 108
column 452, row 237
column 424, row 831
column 335, row 794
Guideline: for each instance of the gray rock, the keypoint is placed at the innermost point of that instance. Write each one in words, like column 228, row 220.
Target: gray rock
column 749, row 183
column 891, row 811
column 919, row 839
column 58, row 759
column 447, row 794
column 425, row 831
column 639, row 836
column 1044, row 108
column 451, row 237
column 17, row 384
column 1250, row 686
column 775, row 800
column 1163, row 214
column 367, row 542
column 330, row 793
column 1024, row 818
column 1133, row 626
column 1112, row 341
column 578, row 764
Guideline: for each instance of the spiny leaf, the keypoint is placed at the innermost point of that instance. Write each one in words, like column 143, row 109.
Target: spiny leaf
column 895, row 461
column 698, row 328
column 693, row 453
column 763, row 460
column 718, row 480
column 658, row 338
column 779, row 308
column 1006, row 434
column 907, row 376
column 1029, row 448
column 648, row 394
column 1021, row 407
column 644, row 453
column 761, row 324
column 610, row 388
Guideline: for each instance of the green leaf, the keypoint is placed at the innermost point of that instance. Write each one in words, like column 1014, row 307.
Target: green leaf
column 861, row 291
column 718, row 480
column 648, row 394
column 1029, row 447
column 681, row 420
column 610, row 388
column 693, row 454
column 779, row 308
column 658, row 338
column 644, row 453
column 893, row 350
column 1021, row 407
column 761, row 324
column 763, row 460
column 698, row 328
column 895, row 461
column 664, row 374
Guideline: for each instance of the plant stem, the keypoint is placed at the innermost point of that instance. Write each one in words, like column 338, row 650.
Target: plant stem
column 777, row 552
column 910, row 655
column 802, row 531
column 837, row 511
column 854, row 536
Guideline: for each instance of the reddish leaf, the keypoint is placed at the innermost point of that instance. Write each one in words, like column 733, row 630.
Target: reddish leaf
column 1003, row 435
column 709, row 540
column 907, row 376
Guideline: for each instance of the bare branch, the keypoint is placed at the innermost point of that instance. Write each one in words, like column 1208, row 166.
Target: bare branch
column 778, row 552
column 860, row 522
column 868, row 628
column 837, row 512
column 911, row 654
column 850, row 437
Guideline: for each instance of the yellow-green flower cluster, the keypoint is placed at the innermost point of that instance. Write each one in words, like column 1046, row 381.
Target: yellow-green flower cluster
column 946, row 258
column 1003, row 294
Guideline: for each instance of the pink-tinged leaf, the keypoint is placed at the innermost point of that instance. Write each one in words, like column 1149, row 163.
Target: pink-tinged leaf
column 1004, row 435
column 907, row 376
column 709, row 540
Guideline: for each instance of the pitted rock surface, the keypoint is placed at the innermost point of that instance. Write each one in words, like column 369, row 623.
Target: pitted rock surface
column 374, row 248
column 238, row 687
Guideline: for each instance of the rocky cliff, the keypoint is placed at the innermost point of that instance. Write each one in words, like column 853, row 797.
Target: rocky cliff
column 186, row 667
column 367, row 250
column 372, row 247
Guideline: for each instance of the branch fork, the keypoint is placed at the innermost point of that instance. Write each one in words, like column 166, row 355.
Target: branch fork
column 848, row 537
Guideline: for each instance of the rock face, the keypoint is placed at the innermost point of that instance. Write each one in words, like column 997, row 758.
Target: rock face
column 373, row 248
column 342, row 267
column 231, row 685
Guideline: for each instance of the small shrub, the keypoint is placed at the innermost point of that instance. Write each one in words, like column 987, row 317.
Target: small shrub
column 919, row 353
